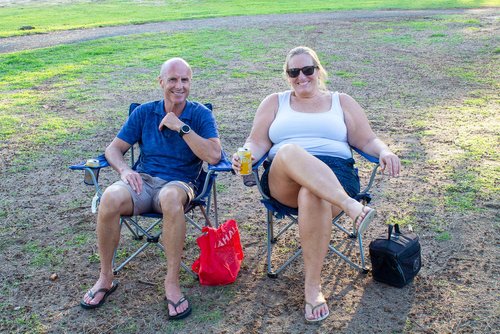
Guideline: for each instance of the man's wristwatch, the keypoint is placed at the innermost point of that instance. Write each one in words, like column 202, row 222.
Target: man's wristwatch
column 184, row 130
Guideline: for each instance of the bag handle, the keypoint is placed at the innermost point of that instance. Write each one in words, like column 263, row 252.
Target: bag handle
column 396, row 231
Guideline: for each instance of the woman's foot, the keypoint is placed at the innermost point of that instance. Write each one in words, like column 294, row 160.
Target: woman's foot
column 364, row 219
column 312, row 310
column 360, row 214
column 315, row 308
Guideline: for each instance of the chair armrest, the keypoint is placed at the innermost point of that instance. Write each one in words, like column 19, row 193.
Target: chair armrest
column 376, row 163
column 224, row 165
column 368, row 157
column 91, row 178
column 256, row 165
column 81, row 166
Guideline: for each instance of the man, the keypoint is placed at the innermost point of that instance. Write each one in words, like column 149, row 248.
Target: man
column 176, row 136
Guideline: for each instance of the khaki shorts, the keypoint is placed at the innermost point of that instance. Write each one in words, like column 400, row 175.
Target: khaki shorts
column 148, row 200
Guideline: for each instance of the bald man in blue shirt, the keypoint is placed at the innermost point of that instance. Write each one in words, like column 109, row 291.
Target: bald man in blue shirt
column 175, row 137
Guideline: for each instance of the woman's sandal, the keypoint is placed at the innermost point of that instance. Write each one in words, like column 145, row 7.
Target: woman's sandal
column 363, row 225
column 320, row 318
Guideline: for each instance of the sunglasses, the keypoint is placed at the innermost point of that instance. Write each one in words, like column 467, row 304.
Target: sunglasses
column 307, row 70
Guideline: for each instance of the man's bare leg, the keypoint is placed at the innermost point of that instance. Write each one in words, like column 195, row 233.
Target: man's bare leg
column 172, row 201
column 115, row 201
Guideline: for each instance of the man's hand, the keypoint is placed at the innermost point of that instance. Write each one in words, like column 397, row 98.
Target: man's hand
column 171, row 121
column 133, row 179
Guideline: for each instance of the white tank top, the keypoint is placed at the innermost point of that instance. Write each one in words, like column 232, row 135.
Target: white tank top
column 323, row 133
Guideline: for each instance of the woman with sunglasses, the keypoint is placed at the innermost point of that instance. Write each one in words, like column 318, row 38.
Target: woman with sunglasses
column 307, row 131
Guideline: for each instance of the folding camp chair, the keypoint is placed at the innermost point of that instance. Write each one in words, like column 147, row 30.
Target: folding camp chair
column 146, row 226
column 286, row 217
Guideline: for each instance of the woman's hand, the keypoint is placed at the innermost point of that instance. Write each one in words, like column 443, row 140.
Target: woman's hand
column 236, row 163
column 390, row 162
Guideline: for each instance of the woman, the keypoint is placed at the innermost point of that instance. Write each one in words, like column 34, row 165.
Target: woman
column 307, row 131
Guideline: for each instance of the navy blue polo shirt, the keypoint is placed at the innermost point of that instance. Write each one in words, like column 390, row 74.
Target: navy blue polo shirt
column 165, row 154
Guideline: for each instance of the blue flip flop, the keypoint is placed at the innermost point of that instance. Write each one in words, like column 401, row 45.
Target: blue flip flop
column 92, row 294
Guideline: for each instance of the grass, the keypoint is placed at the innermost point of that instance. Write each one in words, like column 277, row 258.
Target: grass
column 43, row 256
column 397, row 33
column 81, row 240
column 45, row 16
column 443, row 236
column 469, row 160
column 405, row 220
column 21, row 320
column 358, row 83
column 344, row 74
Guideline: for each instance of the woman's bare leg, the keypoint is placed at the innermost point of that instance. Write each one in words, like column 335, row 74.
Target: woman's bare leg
column 294, row 168
column 315, row 229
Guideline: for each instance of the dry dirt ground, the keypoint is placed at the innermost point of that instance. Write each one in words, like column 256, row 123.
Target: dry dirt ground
column 402, row 82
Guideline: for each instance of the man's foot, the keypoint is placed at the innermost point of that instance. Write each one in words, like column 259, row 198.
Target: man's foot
column 96, row 296
column 364, row 219
column 176, row 306
column 316, row 308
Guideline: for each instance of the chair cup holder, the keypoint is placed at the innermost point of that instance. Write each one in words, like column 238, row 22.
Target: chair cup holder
column 87, row 178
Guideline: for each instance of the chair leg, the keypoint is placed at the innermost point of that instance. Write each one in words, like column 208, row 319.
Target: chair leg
column 205, row 215
column 130, row 258
column 352, row 235
column 363, row 269
column 138, row 233
column 216, row 209
column 272, row 239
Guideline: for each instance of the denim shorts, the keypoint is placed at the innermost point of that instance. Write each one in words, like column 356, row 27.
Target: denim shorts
column 343, row 169
column 148, row 200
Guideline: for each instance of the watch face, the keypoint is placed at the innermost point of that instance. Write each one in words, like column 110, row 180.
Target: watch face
column 184, row 130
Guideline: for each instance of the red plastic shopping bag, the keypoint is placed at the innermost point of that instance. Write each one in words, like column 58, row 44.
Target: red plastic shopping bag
column 220, row 254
